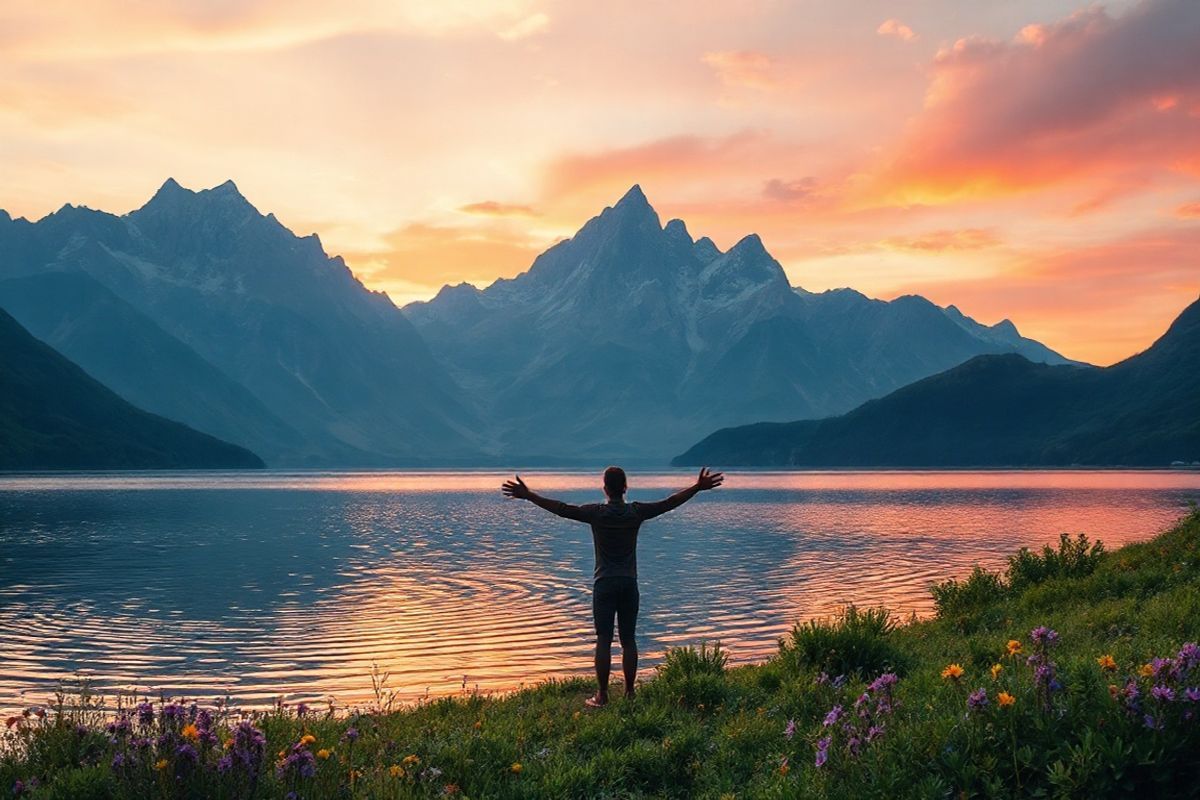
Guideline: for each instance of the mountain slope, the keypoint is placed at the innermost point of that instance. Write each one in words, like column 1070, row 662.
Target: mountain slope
column 53, row 415
column 339, row 365
column 127, row 352
column 627, row 338
column 1001, row 411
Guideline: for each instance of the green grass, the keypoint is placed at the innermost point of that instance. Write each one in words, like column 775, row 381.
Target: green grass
column 699, row 728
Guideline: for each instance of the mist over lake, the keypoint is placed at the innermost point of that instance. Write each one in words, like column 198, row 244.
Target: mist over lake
column 295, row 584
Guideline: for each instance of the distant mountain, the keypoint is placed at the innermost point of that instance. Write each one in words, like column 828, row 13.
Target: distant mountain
column 287, row 349
column 54, row 416
column 127, row 352
column 1001, row 411
column 626, row 339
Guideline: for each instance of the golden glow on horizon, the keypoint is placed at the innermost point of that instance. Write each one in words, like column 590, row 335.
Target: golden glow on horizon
column 968, row 154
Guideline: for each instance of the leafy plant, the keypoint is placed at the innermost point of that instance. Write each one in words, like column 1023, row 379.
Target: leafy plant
column 856, row 642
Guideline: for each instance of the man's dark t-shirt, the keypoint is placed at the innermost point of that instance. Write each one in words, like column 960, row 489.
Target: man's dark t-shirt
column 615, row 530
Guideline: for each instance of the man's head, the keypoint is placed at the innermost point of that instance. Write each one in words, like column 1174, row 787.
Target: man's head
column 614, row 483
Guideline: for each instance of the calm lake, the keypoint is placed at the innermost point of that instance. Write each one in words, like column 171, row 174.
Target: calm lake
column 257, row 585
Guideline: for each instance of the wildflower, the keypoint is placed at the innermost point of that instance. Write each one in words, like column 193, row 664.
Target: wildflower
column 832, row 717
column 1163, row 693
column 478, row 724
column 396, row 771
column 224, row 764
column 977, row 700
column 952, row 672
column 187, row 755
column 883, row 682
column 996, row 670
column 450, row 789
column 874, row 732
column 1042, row 635
column 516, row 768
column 190, row 731
column 172, row 712
column 1004, row 699
column 307, row 739
column 324, row 753
column 838, row 682
column 1107, row 663
column 1146, row 670
column 577, row 715
column 302, row 710
column 18, row 788
column 351, row 735
column 1013, row 647
column 354, row 775
column 411, row 761
column 1193, row 695
column 822, row 751
column 161, row 764
column 1151, row 723
column 118, row 761
column 784, row 767
column 789, row 730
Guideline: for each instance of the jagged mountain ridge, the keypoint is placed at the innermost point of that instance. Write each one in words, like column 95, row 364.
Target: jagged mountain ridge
column 630, row 336
column 1001, row 410
column 335, row 363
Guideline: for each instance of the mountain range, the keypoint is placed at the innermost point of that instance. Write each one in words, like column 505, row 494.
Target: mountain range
column 623, row 342
column 631, row 336
column 54, row 416
column 1001, row 410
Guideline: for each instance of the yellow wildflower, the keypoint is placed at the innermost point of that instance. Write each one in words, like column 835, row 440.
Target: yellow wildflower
column 324, row 754
column 577, row 715
column 307, row 739
column 1005, row 699
column 396, row 771
column 952, row 672
column 355, row 774
column 478, row 724
column 784, row 768
column 1146, row 671
column 516, row 768
column 996, row 670
column 191, row 732
column 228, row 743
column 1107, row 663
column 1013, row 647
column 411, row 761
column 161, row 764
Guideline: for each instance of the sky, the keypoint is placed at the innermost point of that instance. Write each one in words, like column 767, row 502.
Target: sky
column 1034, row 160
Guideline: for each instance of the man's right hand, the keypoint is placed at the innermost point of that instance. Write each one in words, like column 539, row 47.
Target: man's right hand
column 709, row 480
column 516, row 489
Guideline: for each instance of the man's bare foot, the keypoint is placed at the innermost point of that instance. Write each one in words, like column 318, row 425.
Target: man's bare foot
column 596, row 701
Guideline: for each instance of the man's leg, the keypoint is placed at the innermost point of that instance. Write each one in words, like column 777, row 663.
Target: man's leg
column 603, row 611
column 627, row 612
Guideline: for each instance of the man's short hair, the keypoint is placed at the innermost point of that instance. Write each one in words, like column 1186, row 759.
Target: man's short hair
column 614, row 481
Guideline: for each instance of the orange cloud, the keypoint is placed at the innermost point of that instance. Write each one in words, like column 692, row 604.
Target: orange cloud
column 896, row 28
column 1099, row 303
column 1076, row 100
column 943, row 240
column 742, row 68
column 493, row 208
column 1189, row 210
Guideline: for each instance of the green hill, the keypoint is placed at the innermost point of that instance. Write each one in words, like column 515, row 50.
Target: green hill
column 1001, row 410
column 53, row 415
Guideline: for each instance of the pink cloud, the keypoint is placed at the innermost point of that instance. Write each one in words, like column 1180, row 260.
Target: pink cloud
column 896, row 28
column 1082, row 98
column 494, row 208
column 742, row 68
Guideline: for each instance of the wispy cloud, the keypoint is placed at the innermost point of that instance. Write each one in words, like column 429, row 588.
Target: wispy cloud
column 742, row 68
column 896, row 28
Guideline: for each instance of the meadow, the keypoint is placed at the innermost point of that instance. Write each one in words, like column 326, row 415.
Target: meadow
column 1072, row 672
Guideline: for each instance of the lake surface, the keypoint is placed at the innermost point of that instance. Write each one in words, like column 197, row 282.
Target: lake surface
column 257, row 585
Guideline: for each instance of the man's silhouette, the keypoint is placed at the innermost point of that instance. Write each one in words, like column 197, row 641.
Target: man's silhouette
column 615, row 527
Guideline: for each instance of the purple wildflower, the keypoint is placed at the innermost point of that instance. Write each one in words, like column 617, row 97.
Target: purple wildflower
column 822, row 751
column 1151, row 723
column 977, row 700
column 187, row 755
column 351, row 735
column 821, row 679
column 874, row 732
column 145, row 714
column 832, row 717
column 1164, row 694
column 224, row 764
column 1192, row 694
column 790, row 729
column 302, row 710
column 118, row 761
column 18, row 788
column 1042, row 635
column 884, row 681
column 839, row 682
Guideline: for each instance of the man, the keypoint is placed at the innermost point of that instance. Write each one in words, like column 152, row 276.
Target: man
column 615, row 527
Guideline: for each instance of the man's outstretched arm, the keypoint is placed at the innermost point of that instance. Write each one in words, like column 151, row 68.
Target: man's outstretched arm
column 517, row 489
column 705, row 481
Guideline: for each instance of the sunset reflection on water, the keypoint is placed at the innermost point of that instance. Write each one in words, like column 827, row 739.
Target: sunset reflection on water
column 297, row 584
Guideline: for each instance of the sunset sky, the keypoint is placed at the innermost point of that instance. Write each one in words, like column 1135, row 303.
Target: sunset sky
column 1028, row 159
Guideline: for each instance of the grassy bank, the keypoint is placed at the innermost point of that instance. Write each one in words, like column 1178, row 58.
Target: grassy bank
column 1067, row 674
